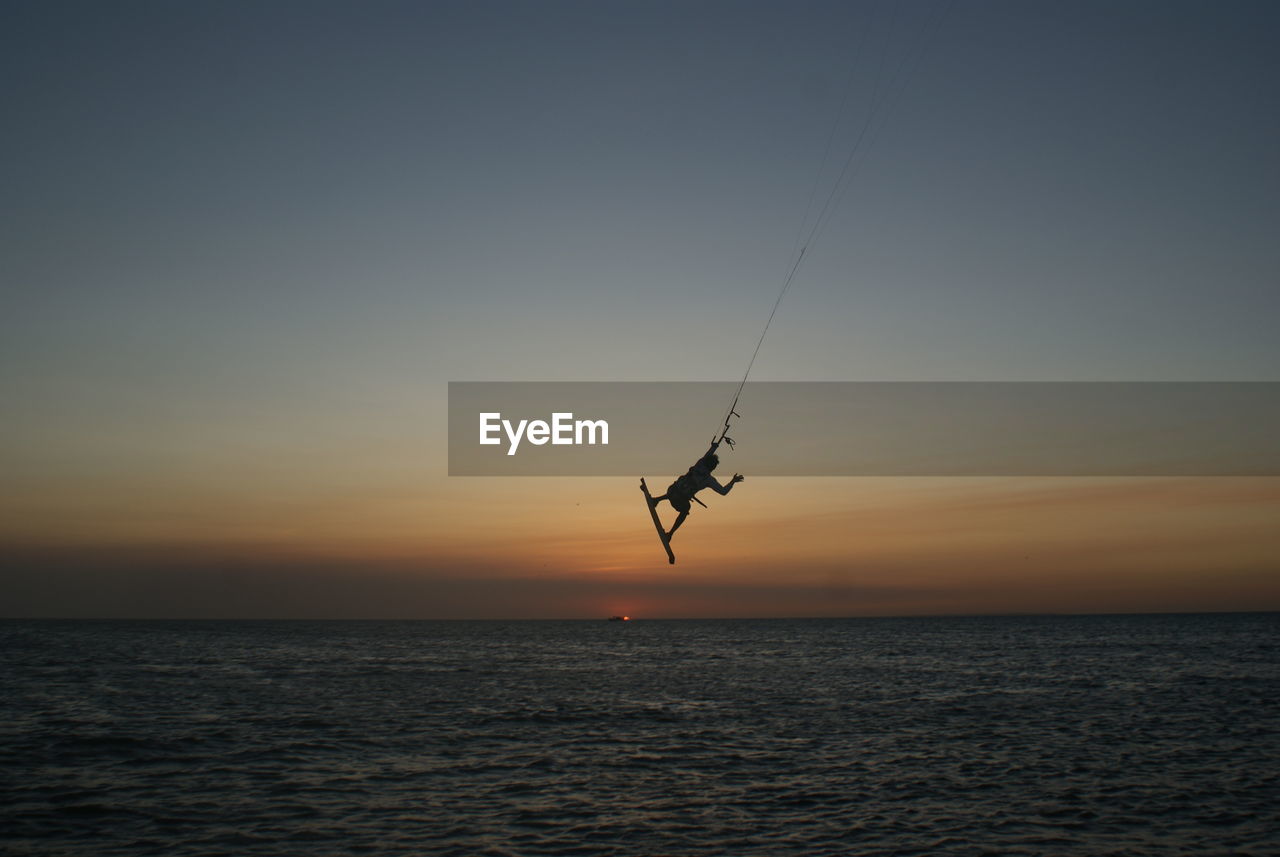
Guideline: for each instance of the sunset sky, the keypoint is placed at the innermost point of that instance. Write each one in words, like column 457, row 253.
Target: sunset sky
column 246, row 246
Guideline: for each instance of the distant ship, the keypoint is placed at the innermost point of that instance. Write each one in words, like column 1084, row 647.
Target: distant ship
column 619, row 618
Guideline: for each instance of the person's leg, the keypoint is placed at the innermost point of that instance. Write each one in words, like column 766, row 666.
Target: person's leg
column 676, row 525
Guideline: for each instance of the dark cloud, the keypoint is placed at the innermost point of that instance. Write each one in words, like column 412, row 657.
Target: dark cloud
column 198, row 584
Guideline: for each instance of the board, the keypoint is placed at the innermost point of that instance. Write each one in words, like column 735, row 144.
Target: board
column 657, row 524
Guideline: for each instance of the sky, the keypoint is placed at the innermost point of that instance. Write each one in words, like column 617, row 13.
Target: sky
column 245, row 246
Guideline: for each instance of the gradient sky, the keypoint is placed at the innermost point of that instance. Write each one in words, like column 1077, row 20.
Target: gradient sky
column 244, row 246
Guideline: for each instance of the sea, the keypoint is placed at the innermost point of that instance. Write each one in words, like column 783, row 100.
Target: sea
column 1032, row 735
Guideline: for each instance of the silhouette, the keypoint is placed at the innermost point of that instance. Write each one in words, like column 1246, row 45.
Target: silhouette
column 685, row 489
column 682, row 493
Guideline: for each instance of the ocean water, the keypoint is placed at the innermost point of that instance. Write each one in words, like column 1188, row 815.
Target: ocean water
column 1134, row 735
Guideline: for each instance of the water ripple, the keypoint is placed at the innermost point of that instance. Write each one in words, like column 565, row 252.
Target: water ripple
column 1044, row 736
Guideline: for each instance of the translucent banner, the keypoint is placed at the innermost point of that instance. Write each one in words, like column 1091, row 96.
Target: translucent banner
column 801, row 428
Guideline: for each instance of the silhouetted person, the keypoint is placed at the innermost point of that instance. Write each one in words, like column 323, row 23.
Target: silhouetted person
column 682, row 491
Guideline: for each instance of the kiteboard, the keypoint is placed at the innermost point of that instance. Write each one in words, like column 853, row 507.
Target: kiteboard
column 657, row 524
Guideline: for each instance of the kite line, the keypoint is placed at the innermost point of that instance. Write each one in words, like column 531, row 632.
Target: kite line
column 880, row 109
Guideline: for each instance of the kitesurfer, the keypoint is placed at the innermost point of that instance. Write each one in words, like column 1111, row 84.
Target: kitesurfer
column 682, row 491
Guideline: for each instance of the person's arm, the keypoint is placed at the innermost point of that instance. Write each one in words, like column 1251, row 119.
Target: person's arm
column 714, row 484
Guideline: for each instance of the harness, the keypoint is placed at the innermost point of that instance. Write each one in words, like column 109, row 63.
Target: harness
column 694, row 480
